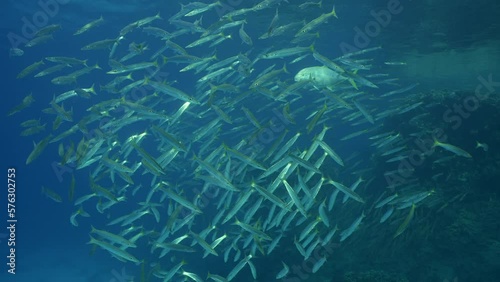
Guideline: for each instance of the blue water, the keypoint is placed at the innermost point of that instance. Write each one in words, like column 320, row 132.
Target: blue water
column 447, row 47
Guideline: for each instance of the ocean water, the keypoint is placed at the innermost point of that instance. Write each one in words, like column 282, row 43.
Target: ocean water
column 435, row 65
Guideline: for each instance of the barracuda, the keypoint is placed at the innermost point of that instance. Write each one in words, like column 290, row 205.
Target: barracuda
column 348, row 232
column 114, row 250
column 316, row 22
column 451, row 148
column 113, row 237
column 347, row 191
column 288, row 52
column 295, row 198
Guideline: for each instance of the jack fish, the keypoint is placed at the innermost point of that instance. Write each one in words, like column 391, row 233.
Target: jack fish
column 319, row 76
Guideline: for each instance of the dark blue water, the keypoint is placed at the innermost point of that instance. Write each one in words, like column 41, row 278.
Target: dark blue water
column 447, row 47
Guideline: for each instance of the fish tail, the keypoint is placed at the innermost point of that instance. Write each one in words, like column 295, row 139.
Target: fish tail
column 333, row 13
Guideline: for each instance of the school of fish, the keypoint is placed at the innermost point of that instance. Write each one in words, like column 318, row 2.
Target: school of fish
column 240, row 157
